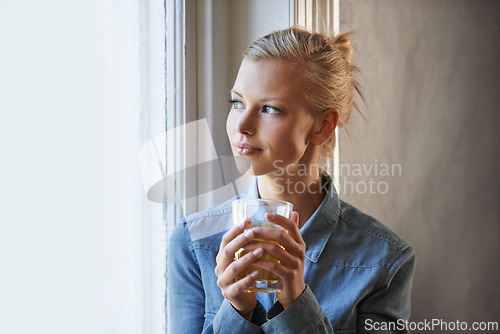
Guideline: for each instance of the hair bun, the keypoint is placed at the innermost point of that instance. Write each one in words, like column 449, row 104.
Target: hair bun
column 343, row 42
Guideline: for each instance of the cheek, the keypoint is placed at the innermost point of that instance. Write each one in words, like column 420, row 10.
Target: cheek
column 299, row 134
column 289, row 142
column 229, row 125
column 292, row 141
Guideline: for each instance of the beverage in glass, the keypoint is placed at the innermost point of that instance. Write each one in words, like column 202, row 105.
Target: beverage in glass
column 253, row 211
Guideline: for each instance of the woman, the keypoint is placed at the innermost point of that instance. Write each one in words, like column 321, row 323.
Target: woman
column 340, row 269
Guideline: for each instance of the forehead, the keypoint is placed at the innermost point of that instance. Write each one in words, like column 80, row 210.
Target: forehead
column 276, row 78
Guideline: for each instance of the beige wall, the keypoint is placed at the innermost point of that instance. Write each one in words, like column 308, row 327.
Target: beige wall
column 430, row 77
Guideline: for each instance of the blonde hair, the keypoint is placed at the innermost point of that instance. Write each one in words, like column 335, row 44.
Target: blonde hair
column 327, row 67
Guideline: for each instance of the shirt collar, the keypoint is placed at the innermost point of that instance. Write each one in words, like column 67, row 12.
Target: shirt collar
column 319, row 227
column 253, row 190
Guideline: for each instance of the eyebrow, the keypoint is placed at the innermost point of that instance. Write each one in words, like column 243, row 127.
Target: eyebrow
column 264, row 99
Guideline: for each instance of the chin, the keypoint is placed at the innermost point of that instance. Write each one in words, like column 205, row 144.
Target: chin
column 243, row 165
column 246, row 167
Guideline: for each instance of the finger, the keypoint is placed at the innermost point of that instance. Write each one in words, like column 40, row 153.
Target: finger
column 222, row 258
column 284, row 256
column 233, row 233
column 239, row 242
column 288, row 224
column 237, row 266
column 276, row 268
column 240, row 286
column 226, row 255
column 279, row 236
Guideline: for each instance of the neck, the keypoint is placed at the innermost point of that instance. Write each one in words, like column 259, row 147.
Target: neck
column 303, row 191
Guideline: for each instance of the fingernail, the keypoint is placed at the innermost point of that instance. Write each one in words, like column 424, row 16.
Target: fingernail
column 249, row 233
column 258, row 252
column 241, row 224
column 255, row 274
column 271, row 215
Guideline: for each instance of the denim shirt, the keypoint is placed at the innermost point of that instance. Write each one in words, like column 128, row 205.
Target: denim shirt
column 358, row 275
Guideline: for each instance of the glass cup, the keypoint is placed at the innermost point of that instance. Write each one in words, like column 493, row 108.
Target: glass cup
column 254, row 210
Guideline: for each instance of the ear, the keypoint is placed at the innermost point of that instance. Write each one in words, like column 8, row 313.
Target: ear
column 328, row 122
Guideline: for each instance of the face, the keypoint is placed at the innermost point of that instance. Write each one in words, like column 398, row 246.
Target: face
column 270, row 122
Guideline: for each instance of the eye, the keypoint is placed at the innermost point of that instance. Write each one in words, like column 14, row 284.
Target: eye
column 236, row 104
column 272, row 110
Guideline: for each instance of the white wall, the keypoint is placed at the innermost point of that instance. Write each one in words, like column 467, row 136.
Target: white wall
column 72, row 215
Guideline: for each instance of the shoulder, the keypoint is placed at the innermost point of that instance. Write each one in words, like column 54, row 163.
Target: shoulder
column 370, row 243
column 370, row 226
column 206, row 227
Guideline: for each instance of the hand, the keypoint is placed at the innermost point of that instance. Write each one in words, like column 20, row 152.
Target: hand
column 228, row 268
column 292, row 258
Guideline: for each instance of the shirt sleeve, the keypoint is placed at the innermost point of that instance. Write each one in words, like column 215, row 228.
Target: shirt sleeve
column 186, row 295
column 305, row 315
column 228, row 320
column 386, row 310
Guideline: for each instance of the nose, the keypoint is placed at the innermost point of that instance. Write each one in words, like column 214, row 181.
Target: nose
column 245, row 122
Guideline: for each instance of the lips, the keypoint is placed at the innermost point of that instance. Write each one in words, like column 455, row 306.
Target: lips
column 246, row 149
